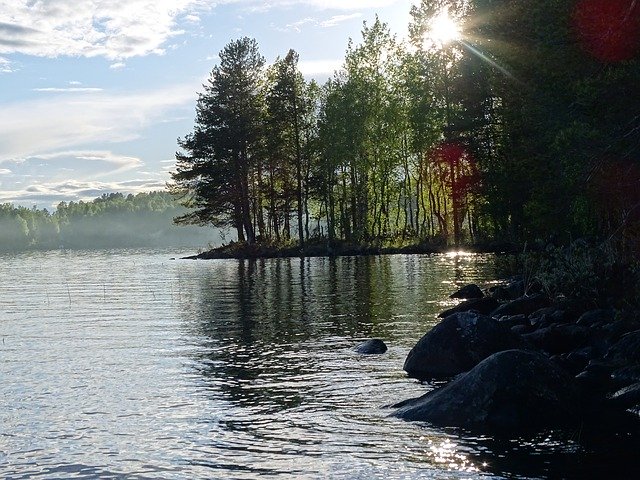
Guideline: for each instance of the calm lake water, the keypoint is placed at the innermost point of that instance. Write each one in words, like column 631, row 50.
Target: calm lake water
column 127, row 364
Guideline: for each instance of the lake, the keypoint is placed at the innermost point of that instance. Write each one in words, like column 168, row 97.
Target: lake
column 128, row 364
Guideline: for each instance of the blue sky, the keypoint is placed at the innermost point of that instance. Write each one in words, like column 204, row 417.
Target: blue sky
column 94, row 93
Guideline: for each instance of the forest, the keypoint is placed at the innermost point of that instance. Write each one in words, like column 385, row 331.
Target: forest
column 110, row 221
column 497, row 120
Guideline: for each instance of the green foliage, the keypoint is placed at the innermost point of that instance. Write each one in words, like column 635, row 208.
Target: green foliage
column 595, row 274
column 513, row 133
column 215, row 167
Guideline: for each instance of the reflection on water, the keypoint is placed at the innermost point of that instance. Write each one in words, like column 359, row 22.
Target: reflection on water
column 125, row 364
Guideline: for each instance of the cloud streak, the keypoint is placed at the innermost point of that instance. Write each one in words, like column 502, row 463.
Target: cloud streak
column 75, row 119
column 68, row 89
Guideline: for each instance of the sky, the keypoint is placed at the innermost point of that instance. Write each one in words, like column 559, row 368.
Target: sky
column 95, row 93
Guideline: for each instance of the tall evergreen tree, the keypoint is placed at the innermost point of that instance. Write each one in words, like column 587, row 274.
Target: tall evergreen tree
column 214, row 169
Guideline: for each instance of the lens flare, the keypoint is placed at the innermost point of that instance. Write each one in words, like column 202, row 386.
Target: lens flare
column 609, row 30
column 444, row 29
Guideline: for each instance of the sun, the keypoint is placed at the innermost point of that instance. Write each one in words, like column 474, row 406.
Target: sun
column 443, row 29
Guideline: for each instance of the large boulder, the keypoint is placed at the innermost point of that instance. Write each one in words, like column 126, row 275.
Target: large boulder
column 508, row 392
column 457, row 344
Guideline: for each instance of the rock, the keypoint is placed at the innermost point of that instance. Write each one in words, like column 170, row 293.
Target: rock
column 511, row 391
column 596, row 317
column 524, row 305
column 457, row 344
column 558, row 338
column 577, row 360
column 511, row 321
column 374, row 346
column 509, row 291
column 468, row 291
column 546, row 317
column 625, row 376
column 481, row 305
column 521, row 329
column 627, row 397
column 626, row 350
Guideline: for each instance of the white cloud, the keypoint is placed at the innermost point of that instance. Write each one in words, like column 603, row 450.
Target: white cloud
column 4, row 171
column 350, row 5
column 297, row 26
column 121, row 29
column 115, row 29
column 337, row 19
column 117, row 66
column 115, row 163
column 6, row 66
column 331, row 22
column 68, row 89
column 66, row 122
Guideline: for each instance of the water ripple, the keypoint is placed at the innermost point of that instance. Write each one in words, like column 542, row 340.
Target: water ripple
column 125, row 365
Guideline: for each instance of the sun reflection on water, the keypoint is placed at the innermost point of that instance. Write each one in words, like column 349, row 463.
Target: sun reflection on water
column 448, row 455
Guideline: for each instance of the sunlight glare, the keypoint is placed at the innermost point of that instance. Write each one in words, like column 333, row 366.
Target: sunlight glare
column 444, row 29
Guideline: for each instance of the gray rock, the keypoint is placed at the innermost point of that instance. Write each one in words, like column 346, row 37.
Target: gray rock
column 457, row 344
column 467, row 292
column 510, row 391
column 374, row 346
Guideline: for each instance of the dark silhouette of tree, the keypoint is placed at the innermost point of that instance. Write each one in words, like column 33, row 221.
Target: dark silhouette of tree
column 216, row 165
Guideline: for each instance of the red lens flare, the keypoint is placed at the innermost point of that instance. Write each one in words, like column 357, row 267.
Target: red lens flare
column 609, row 30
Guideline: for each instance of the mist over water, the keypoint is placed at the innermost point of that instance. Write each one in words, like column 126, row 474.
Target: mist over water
column 126, row 364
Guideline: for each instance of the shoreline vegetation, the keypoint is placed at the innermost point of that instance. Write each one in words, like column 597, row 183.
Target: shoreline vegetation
column 458, row 142
column 326, row 248
column 113, row 220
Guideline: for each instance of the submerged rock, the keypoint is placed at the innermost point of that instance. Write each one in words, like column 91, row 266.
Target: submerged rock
column 374, row 346
column 510, row 391
column 468, row 292
column 457, row 344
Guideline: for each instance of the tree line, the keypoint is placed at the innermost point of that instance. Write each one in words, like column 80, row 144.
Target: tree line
column 525, row 127
column 110, row 221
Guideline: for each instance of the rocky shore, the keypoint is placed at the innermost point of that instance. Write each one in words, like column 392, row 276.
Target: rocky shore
column 520, row 361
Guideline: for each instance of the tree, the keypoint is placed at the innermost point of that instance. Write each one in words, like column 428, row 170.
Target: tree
column 286, row 107
column 214, row 168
